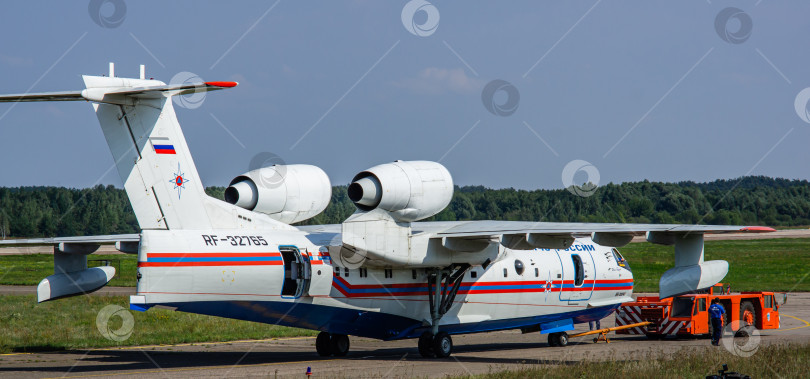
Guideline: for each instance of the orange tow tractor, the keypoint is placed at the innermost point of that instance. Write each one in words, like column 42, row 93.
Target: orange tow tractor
column 687, row 315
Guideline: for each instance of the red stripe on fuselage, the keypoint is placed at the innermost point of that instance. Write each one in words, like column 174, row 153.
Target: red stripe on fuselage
column 216, row 263
column 208, row 255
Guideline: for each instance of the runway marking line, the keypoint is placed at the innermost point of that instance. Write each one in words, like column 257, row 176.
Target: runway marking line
column 806, row 324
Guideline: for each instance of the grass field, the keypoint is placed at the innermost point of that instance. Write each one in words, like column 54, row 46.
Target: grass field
column 29, row 269
column 754, row 265
column 772, row 361
column 71, row 324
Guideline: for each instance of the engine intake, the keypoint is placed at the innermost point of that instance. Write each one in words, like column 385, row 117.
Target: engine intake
column 410, row 190
column 287, row 193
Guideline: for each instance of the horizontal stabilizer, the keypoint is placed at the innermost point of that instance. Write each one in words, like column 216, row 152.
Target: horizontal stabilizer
column 42, row 96
column 98, row 93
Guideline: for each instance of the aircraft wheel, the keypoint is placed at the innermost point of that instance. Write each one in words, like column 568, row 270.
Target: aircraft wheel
column 426, row 345
column 562, row 338
column 323, row 344
column 552, row 339
column 340, row 345
column 442, row 345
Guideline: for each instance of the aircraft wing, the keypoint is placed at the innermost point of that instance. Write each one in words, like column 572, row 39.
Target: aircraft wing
column 476, row 242
column 493, row 228
column 472, row 229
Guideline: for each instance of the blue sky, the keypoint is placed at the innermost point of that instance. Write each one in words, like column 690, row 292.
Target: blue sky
column 652, row 78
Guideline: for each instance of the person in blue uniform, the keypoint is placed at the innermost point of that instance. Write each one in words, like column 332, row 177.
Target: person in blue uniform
column 716, row 312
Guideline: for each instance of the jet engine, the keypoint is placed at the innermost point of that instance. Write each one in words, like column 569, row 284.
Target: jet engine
column 287, row 193
column 409, row 190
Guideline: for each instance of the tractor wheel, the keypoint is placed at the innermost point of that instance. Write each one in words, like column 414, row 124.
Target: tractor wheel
column 748, row 314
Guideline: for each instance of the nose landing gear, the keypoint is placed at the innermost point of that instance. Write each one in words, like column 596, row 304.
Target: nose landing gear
column 558, row 339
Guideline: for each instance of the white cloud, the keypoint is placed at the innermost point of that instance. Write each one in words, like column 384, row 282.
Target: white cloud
column 436, row 81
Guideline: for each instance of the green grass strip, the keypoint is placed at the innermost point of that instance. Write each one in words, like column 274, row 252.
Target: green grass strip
column 71, row 324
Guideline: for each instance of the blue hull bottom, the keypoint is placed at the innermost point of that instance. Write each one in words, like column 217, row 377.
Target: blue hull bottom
column 377, row 325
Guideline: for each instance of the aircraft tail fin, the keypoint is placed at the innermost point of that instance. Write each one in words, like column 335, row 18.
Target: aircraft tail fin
column 150, row 151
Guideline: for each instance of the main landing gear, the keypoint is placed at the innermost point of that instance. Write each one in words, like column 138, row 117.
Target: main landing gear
column 438, row 346
column 443, row 286
column 332, row 344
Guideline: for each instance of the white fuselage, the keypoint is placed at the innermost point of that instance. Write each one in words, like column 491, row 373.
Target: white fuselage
column 281, row 277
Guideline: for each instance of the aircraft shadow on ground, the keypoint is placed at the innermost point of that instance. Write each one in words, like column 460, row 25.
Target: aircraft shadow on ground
column 127, row 360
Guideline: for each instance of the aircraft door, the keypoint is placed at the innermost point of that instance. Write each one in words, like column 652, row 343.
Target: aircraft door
column 567, row 276
column 578, row 275
column 297, row 272
column 584, row 275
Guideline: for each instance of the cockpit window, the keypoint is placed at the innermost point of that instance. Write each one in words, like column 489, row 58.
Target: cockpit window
column 620, row 259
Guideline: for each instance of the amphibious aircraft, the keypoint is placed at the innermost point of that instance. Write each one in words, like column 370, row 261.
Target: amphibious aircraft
column 381, row 273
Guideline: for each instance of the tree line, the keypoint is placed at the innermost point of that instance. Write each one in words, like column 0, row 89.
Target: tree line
column 752, row 200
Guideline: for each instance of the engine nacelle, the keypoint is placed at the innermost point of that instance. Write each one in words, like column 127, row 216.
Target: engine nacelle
column 410, row 190
column 287, row 193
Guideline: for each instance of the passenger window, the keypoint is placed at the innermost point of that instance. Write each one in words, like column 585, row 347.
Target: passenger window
column 413, row 273
column 579, row 270
column 504, row 273
column 337, row 271
column 536, row 272
column 389, row 273
column 346, row 272
column 473, row 274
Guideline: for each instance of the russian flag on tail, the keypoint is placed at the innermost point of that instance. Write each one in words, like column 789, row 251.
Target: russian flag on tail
column 162, row 145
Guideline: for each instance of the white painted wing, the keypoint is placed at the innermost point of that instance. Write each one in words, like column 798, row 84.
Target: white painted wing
column 491, row 228
column 494, row 228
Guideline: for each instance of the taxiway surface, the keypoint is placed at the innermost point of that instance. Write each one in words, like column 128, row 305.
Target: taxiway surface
column 477, row 353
